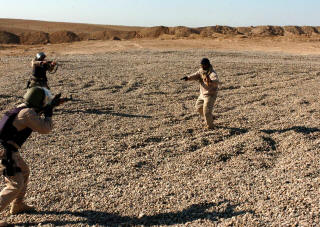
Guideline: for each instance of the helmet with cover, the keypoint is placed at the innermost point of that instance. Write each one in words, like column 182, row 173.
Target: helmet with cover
column 40, row 56
column 37, row 97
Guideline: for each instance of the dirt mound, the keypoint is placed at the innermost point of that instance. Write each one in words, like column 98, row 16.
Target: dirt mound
column 208, row 31
column 153, row 32
column 167, row 37
column 194, row 36
column 182, row 31
column 293, row 30
column 111, row 34
column 157, row 32
column 34, row 38
column 100, row 35
column 267, row 31
column 8, row 38
column 115, row 38
column 226, row 30
column 84, row 36
column 123, row 34
column 63, row 37
column 244, row 30
column 309, row 30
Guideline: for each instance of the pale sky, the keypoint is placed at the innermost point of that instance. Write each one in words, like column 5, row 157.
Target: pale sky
column 192, row 13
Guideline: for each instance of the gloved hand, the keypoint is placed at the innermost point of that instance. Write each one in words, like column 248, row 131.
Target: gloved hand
column 48, row 111
column 56, row 100
column 184, row 78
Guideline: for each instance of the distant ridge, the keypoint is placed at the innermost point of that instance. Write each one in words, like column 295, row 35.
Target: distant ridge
column 19, row 31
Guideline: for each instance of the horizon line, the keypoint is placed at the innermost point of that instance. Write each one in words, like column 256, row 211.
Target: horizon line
column 87, row 23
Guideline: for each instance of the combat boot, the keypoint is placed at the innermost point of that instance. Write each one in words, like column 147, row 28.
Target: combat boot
column 20, row 208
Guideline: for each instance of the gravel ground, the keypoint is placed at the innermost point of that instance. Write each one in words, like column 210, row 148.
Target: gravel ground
column 131, row 151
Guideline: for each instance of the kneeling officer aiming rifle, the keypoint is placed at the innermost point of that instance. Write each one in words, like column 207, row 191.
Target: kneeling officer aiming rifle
column 16, row 126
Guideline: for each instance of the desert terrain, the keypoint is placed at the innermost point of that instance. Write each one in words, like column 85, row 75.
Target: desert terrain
column 130, row 150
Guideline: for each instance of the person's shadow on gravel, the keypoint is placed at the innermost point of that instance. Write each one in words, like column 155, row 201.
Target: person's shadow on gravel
column 103, row 112
column 9, row 96
column 233, row 130
column 298, row 129
column 190, row 214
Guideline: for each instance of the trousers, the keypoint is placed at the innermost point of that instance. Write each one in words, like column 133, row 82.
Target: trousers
column 204, row 106
column 16, row 186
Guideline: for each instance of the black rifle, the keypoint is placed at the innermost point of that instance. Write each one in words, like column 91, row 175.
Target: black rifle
column 58, row 64
column 53, row 68
column 63, row 100
column 56, row 101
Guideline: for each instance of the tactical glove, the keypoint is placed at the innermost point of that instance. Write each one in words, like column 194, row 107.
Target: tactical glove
column 56, row 100
column 48, row 111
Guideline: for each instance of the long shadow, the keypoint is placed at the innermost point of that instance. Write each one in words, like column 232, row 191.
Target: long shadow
column 298, row 129
column 103, row 112
column 271, row 142
column 234, row 131
column 191, row 213
column 5, row 96
column 9, row 96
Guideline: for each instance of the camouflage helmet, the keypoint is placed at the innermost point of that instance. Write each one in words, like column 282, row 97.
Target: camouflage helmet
column 40, row 56
column 35, row 97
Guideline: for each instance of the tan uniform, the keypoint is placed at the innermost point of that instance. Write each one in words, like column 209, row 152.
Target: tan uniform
column 16, row 186
column 209, row 82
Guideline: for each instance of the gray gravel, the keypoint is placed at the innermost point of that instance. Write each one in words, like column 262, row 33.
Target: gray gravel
column 131, row 151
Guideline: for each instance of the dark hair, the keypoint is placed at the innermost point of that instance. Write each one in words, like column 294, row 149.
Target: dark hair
column 205, row 61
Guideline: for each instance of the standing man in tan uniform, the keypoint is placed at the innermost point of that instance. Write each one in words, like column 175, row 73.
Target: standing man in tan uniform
column 15, row 128
column 209, row 81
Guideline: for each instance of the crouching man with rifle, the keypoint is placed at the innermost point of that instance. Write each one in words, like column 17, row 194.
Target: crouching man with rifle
column 15, row 128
